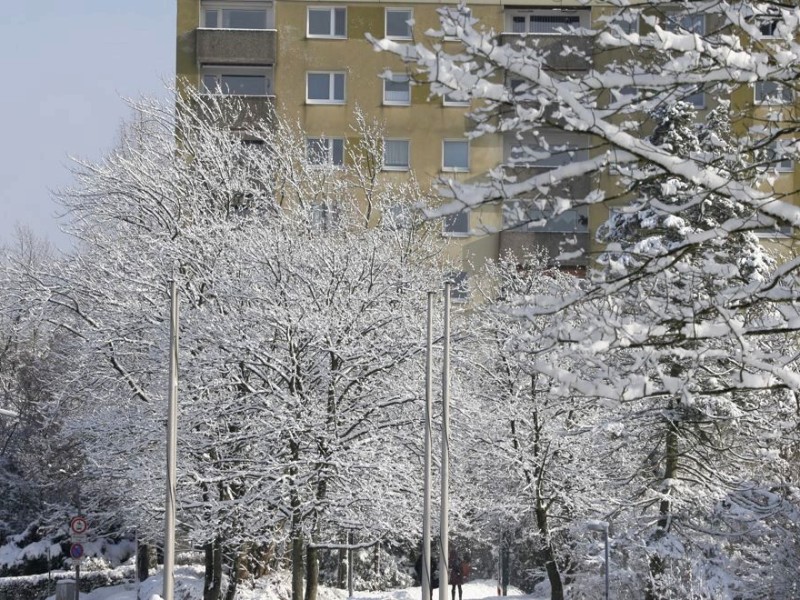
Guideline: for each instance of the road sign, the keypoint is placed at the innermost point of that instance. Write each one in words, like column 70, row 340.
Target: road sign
column 76, row 551
column 78, row 525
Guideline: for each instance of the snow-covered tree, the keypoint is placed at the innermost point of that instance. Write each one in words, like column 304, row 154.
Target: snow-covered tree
column 300, row 332
column 685, row 329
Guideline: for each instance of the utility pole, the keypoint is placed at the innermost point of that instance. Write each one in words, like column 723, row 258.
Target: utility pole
column 426, row 506
column 172, row 442
column 445, row 467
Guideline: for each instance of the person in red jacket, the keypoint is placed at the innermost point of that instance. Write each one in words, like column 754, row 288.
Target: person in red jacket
column 459, row 574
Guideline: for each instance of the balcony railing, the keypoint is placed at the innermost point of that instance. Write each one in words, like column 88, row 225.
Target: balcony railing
column 572, row 247
column 236, row 46
column 564, row 52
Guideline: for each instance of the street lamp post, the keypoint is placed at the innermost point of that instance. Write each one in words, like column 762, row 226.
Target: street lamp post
column 602, row 526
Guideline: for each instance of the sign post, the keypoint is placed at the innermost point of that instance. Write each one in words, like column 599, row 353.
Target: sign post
column 78, row 530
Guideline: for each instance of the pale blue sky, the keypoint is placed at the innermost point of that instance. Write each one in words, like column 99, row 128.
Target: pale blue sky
column 67, row 67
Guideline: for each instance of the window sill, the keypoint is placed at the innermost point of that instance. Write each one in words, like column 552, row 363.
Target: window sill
column 456, row 234
column 326, row 103
column 401, row 104
column 326, row 37
column 398, row 169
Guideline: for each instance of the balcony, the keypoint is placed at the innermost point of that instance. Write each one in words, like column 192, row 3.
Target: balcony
column 578, row 55
column 236, row 46
column 239, row 112
column 519, row 243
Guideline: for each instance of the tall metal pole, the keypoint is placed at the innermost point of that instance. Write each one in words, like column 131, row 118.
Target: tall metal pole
column 172, row 441
column 445, row 468
column 608, row 564
column 426, row 506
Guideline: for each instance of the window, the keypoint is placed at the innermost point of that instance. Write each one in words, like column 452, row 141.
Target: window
column 398, row 23
column 455, row 155
column 397, row 217
column 237, row 81
column 772, row 92
column 694, row 96
column 324, row 216
column 455, row 99
column 325, row 151
column 544, row 22
column 547, row 148
column 686, row 24
column 777, row 157
column 327, row 22
column 461, row 15
column 325, row 88
column 397, row 90
column 456, row 224
column 459, row 292
column 395, row 155
column 522, row 215
column 768, row 26
column 237, row 15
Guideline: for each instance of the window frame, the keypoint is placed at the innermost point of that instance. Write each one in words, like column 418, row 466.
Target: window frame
column 451, row 224
column 394, row 80
column 455, row 169
column 332, row 11
column 448, row 102
column 765, row 99
column 331, row 100
column 388, row 167
column 459, row 290
column 268, row 8
column 330, row 150
column 219, row 71
column 533, row 11
column 395, row 9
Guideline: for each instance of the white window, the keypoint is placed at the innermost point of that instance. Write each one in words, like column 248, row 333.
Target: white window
column 456, row 224
column 397, row 217
column 686, row 24
column 455, row 155
column 325, row 88
column 327, row 22
column 397, row 90
column 548, row 148
column 458, row 98
column 237, row 15
column 694, row 96
column 768, row 26
column 324, row 216
column 459, row 292
column 777, row 157
column 543, row 22
column 772, row 92
column 398, row 23
column 523, row 215
column 237, row 81
column 461, row 15
column 325, row 151
column 396, row 155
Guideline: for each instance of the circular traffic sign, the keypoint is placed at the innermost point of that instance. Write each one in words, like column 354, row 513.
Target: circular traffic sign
column 78, row 525
column 76, row 551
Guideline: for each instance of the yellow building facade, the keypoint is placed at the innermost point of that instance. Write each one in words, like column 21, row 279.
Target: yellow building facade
column 311, row 62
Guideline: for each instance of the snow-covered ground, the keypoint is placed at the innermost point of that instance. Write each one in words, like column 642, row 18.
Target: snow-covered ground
column 189, row 586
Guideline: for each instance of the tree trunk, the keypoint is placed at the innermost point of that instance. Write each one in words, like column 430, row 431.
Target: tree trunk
column 341, row 575
column 142, row 562
column 297, row 567
column 233, row 573
column 553, row 572
column 312, row 572
column 213, row 575
column 656, row 563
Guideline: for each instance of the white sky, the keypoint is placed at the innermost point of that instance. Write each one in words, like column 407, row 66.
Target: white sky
column 67, row 67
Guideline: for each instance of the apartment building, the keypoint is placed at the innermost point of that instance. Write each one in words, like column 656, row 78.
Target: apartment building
column 310, row 61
